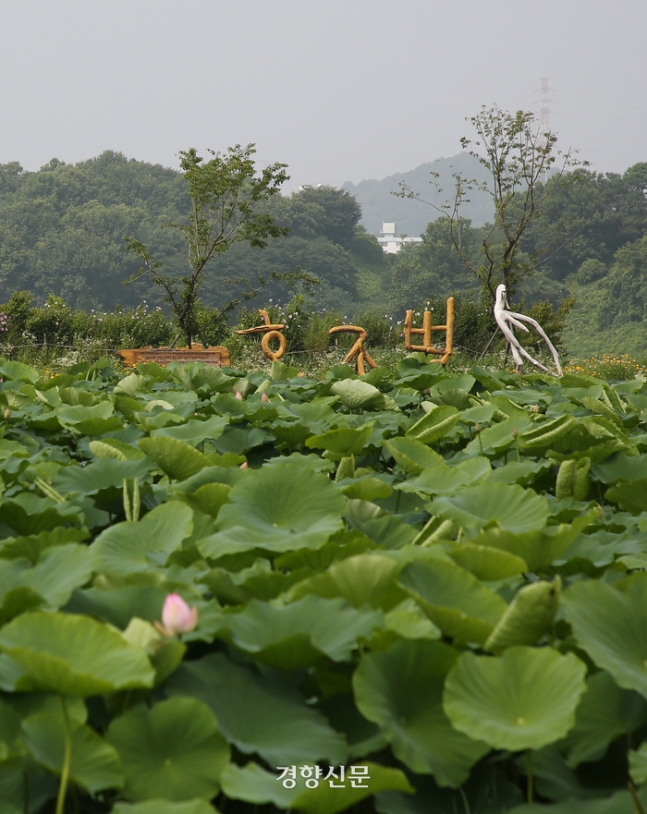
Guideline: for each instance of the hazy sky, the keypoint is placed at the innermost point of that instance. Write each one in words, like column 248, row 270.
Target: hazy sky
column 341, row 90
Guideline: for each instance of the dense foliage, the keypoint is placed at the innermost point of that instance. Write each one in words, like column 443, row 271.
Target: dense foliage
column 62, row 231
column 437, row 576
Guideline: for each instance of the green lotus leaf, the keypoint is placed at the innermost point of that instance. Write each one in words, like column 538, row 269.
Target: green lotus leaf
column 18, row 370
column 59, row 570
column 327, row 800
column 279, row 508
column 435, row 425
column 130, row 384
column 511, row 508
column 609, row 623
column 256, row 785
column 239, row 440
column 208, row 499
column 638, row 764
column 496, row 438
column 27, row 514
column 173, row 751
column 538, row 548
column 89, row 420
column 486, row 563
column 521, row 472
column 196, row 375
column 621, row 467
column 358, row 395
column 164, row 807
column 112, row 448
column 118, row 605
column 453, row 599
column 365, row 579
column 17, row 601
column 412, row 456
column 291, row 433
column 73, row 655
column 368, row 488
column 95, row 765
column 604, row 713
column 259, row 714
column 401, row 691
column 631, row 496
column 103, row 477
column 546, row 433
column 194, row 432
column 176, row 458
column 441, row 479
column 296, row 635
column 524, row 699
column 343, row 441
column 129, row 547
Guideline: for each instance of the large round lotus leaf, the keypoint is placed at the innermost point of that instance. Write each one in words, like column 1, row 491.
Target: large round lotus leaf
column 366, row 579
column 164, row 807
column 401, row 690
column 195, row 432
column 412, row 455
column 259, row 714
column 74, row 655
column 177, row 459
column 604, row 713
column 129, row 547
column 498, row 504
column 283, row 507
column 95, row 764
column 298, row 634
column 358, row 395
column 453, row 599
column 342, row 441
column 610, row 624
column 440, row 479
column 524, row 699
column 173, row 751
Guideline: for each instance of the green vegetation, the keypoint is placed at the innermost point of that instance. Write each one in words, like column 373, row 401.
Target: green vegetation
column 209, row 574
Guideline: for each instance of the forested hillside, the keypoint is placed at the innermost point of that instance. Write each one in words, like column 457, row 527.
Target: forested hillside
column 591, row 239
column 62, row 230
column 380, row 206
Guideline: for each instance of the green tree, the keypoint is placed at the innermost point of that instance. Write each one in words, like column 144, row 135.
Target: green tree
column 518, row 158
column 432, row 268
column 226, row 196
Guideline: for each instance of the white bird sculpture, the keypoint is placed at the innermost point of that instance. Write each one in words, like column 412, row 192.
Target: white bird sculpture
column 505, row 319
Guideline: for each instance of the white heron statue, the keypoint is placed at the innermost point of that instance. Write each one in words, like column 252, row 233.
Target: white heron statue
column 506, row 319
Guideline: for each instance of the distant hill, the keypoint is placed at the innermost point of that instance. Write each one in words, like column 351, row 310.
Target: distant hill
column 380, row 206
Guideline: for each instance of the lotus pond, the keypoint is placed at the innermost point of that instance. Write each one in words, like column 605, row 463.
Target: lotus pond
column 419, row 593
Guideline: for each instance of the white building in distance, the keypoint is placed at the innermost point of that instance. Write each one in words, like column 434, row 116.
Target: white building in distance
column 390, row 242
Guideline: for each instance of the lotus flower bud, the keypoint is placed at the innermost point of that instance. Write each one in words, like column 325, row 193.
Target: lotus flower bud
column 239, row 395
column 177, row 616
column 244, row 465
column 515, row 432
column 7, row 413
column 264, row 397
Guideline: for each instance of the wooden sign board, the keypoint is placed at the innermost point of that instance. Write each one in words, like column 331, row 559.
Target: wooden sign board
column 216, row 356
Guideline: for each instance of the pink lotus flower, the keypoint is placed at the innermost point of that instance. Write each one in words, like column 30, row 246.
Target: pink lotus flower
column 177, row 617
